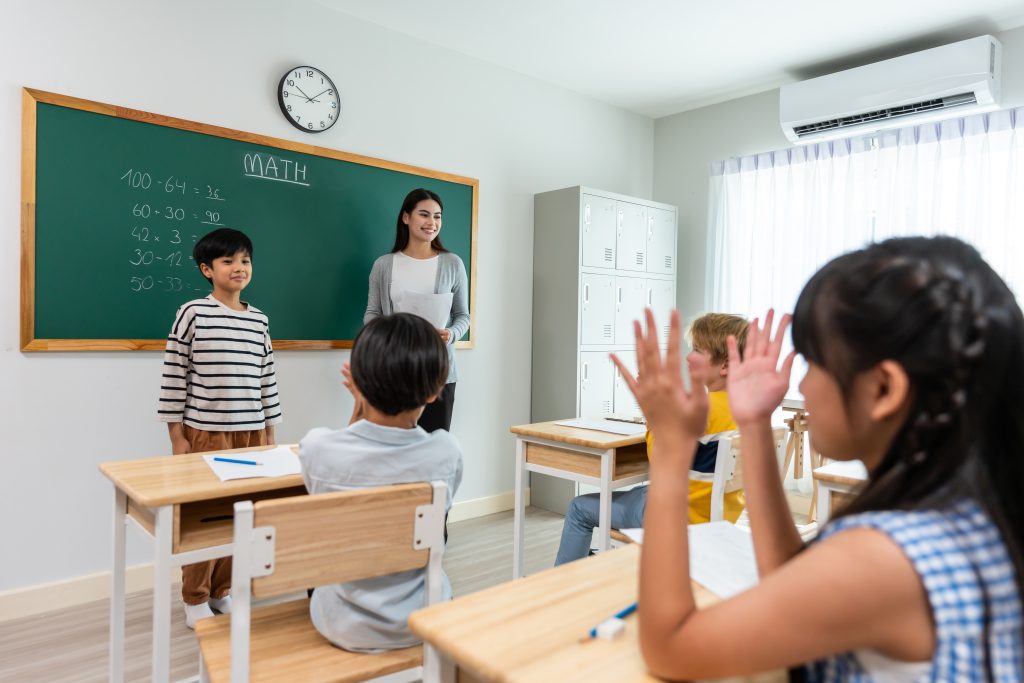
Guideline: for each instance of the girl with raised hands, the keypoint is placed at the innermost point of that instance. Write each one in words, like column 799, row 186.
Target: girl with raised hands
column 915, row 350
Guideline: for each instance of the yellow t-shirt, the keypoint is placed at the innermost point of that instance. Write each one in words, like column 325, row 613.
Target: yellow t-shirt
column 719, row 420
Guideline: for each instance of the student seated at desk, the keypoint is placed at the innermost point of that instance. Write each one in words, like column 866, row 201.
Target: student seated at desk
column 399, row 364
column 708, row 335
column 915, row 352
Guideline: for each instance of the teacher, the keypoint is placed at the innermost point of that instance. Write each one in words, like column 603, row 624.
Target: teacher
column 419, row 265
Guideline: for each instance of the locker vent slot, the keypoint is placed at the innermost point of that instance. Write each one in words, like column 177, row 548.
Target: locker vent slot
column 606, row 331
column 606, row 406
column 668, row 261
column 639, row 258
column 608, row 255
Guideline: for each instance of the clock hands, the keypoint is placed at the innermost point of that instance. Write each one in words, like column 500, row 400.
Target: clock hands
column 308, row 98
column 320, row 93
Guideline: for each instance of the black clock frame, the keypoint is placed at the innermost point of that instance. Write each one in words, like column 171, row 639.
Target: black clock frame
column 281, row 103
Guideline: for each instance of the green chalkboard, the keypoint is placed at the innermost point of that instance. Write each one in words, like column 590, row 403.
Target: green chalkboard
column 114, row 199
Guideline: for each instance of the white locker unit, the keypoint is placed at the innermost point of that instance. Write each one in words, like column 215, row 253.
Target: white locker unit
column 661, row 241
column 597, row 383
column 631, row 237
column 630, row 300
column 599, row 259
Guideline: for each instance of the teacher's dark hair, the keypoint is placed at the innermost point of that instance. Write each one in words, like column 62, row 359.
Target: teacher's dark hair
column 399, row 362
column 219, row 243
column 402, row 230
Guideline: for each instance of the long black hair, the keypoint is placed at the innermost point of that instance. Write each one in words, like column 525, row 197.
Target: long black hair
column 402, row 230
column 935, row 307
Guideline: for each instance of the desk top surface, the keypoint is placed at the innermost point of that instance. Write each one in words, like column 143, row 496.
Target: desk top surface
column 173, row 479
column 529, row 630
column 575, row 436
column 848, row 472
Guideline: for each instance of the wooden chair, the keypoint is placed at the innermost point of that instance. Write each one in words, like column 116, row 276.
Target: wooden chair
column 289, row 544
column 728, row 475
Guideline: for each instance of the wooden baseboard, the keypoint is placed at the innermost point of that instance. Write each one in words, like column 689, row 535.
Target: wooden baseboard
column 56, row 595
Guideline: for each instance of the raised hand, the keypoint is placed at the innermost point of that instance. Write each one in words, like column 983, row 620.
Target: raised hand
column 359, row 408
column 671, row 410
column 756, row 384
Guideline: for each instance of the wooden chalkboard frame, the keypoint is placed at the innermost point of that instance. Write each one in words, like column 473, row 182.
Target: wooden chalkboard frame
column 30, row 99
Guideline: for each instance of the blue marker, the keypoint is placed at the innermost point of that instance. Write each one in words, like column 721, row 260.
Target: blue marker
column 244, row 462
column 620, row 615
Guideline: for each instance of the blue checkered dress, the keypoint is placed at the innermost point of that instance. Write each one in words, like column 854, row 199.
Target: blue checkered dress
column 956, row 552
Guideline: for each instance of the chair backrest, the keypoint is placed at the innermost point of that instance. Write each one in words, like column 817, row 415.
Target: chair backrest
column 728, row 475
column 291, row 544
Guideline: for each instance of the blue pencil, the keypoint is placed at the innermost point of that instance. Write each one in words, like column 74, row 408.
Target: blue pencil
column 237, row 461
column 622, row 614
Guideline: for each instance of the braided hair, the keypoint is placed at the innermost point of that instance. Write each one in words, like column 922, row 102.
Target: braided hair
column 937, row 309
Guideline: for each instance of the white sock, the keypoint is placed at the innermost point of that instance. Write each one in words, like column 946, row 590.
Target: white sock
column 194, row 613
column 222, row 605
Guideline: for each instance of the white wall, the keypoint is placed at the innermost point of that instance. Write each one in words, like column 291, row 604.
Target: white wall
column 61, row 414
column 684, row 145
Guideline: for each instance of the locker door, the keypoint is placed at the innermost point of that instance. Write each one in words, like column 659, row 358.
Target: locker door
column 631, row 237
column 661, row 297
column 625, row 403
column 598, row 231
column 630, row 299
column 661, row 241
column 597, row 383
column 598, row 308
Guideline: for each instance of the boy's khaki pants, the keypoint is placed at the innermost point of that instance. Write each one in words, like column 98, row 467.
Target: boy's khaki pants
column 203, row 580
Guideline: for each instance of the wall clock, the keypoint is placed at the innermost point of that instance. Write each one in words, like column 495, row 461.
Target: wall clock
column 308, row 99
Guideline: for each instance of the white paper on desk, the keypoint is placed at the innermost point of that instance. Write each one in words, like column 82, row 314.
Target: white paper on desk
column 721, row 557
column 276, row 462
column 602, row 425
column 435, row 308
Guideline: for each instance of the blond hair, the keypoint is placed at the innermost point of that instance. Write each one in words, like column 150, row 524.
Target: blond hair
column 710, row 331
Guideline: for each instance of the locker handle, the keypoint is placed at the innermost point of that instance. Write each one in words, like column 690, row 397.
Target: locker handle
column 650, row 297
column 619, row 219
column 586, row 214
column 650, row 228
column 618, row 294
column 585, row 365
column 586, row 293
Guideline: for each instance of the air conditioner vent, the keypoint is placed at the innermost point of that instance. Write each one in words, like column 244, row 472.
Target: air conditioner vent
column 951, row 102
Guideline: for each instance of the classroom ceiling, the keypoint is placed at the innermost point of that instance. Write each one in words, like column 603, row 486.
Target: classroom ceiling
column 660, row 57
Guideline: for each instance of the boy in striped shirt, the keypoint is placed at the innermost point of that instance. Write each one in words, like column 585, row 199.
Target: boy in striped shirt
column 219, row 389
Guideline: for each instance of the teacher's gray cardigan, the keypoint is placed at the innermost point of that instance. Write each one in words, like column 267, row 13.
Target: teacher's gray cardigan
column 451, row 277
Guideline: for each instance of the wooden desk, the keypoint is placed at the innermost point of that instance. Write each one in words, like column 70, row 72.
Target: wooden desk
column 181, row 503
column 529, row 631
column 602, row 459
column 837, row 481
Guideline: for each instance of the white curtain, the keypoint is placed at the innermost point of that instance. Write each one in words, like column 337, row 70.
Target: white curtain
column 777, row 217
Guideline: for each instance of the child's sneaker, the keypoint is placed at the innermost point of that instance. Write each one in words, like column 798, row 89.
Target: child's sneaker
column 194, row 613
column 221, row 605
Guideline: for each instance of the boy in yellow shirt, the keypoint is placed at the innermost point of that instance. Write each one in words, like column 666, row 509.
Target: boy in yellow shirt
column 708, row 335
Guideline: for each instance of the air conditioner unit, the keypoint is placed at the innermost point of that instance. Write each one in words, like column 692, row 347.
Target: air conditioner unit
column 951, row 80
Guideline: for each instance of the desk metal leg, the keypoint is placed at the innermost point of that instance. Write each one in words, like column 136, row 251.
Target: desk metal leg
column 117, row 589
column 162, row 595
column 519, row 515
column 437, row 668
column 824, row 504
column 605, row 511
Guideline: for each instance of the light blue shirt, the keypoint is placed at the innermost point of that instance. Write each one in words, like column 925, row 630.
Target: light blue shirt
column 372, row 614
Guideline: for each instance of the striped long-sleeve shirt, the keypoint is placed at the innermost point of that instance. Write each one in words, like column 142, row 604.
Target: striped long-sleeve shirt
column 218, row 373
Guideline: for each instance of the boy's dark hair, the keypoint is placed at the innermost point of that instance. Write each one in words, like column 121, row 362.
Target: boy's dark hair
column 220, row 242
column 398, row 362
column 402, row 230
column 935, row 307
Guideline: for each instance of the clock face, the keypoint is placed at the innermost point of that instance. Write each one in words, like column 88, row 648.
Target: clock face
column 309, row 99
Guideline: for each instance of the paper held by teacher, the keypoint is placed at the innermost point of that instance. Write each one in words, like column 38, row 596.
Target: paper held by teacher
column 435, row 308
